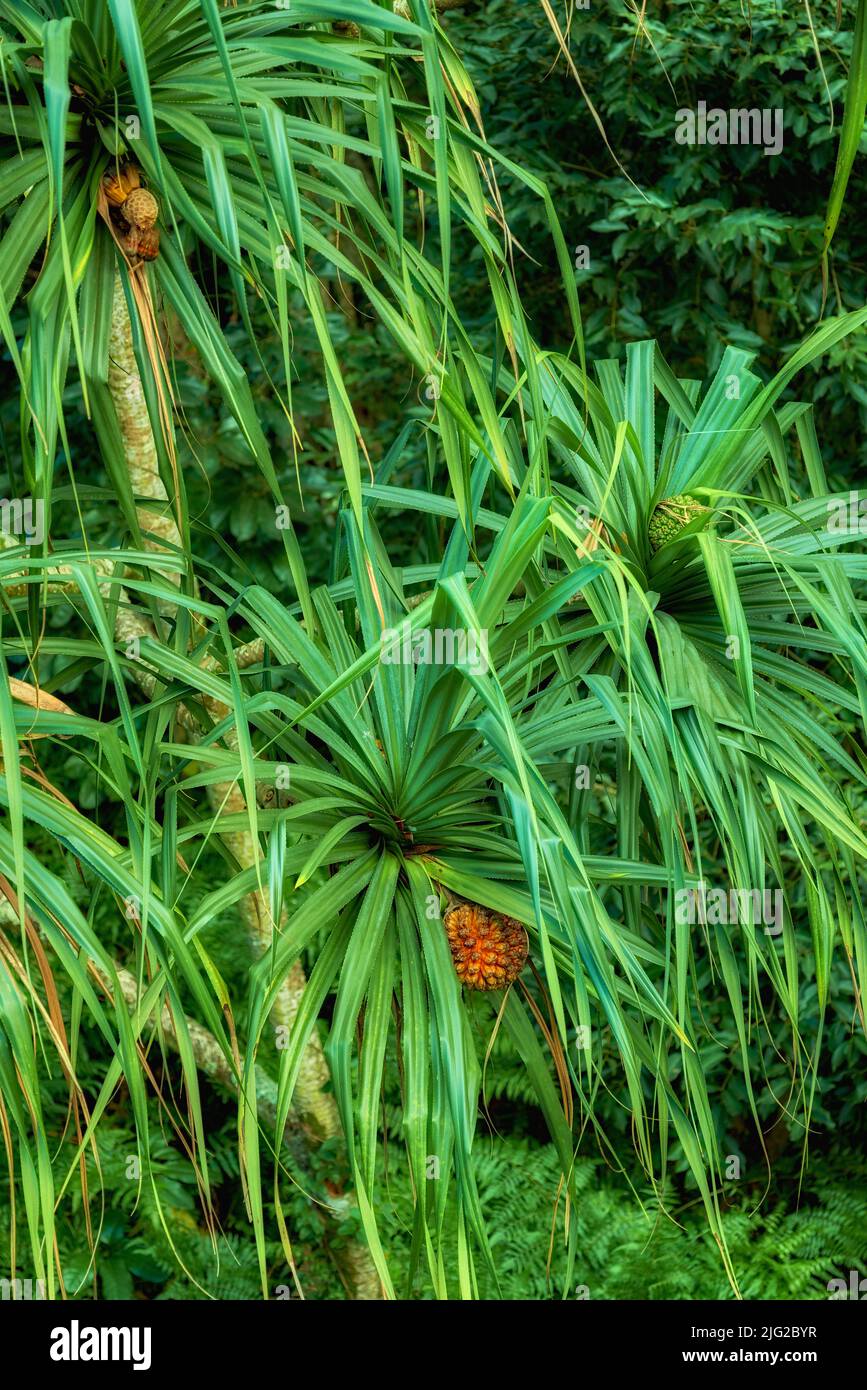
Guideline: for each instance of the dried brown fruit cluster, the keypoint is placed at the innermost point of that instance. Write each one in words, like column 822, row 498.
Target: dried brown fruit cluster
column 134, row 212
column 489, row 951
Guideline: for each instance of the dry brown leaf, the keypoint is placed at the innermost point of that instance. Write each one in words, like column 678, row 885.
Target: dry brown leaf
column 35, row 698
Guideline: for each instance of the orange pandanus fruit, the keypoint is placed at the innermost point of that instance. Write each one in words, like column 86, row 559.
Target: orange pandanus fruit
column 134, row 211
column 118, row 186
column 148, row 246
column 141, row 209
column 489, row 951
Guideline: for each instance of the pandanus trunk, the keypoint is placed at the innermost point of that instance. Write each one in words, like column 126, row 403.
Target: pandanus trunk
column 315, row 1105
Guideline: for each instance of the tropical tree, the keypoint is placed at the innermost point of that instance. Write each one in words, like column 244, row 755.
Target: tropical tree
column 702, row 660
column 280, row 141
column 654, row 632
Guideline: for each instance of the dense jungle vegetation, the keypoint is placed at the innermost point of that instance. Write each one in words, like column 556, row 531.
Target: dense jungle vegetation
column 426, row 319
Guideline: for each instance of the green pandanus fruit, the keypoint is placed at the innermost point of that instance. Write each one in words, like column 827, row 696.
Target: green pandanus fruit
column 671, row 516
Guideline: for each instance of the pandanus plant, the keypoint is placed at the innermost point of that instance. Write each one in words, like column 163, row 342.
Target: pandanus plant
column 708, row 684
column 387, row 787
column 734, row 631
column 140, row 145
column 267, row 142
column 732, row 657
column 409, row 796
column 693, row 649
